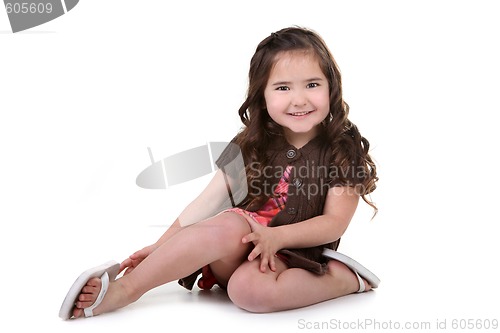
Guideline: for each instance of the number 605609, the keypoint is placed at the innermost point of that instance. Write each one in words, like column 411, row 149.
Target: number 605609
column 28, row 8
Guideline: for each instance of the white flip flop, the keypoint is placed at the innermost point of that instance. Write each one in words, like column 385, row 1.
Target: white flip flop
column 356, row 267
column 106, row 272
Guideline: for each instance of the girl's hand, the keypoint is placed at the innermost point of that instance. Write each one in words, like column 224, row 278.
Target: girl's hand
column 264, row 239
column 135, row 259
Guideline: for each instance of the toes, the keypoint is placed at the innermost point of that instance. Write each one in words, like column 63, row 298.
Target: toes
column 82, row 305
column 93, row 286
column 94, row 282
column 87, row 297
column 77, row 313
column 90, row 290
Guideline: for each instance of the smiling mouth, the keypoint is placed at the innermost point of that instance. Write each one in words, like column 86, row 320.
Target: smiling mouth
column 299, row 114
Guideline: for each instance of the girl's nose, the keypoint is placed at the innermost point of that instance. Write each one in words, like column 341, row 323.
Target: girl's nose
column 299, row 98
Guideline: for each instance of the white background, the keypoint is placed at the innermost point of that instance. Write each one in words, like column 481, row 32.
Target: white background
column 83, row 96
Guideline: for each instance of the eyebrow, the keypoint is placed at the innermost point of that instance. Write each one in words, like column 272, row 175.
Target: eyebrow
column 283, row 83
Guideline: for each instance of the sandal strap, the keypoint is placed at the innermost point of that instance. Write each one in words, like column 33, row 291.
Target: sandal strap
column 361, row 283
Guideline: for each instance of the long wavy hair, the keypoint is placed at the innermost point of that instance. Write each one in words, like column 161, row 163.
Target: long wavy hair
column 349, row 147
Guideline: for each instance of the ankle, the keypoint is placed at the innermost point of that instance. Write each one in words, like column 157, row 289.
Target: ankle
column 129, row 292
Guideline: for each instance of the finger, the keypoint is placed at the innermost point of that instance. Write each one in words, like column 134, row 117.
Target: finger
column 136, row 255
column 129, row 269
column 272, row 264
column 263, row 264
column 126, row 263
column 249, row 238
column 254, row 254
column 130, row 265
column 253, row 224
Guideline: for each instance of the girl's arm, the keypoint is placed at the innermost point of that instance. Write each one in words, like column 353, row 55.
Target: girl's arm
column 212, row 200
column 340, row 205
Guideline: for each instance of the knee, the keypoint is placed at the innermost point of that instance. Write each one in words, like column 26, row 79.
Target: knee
column 251, row 296
column 226, row 227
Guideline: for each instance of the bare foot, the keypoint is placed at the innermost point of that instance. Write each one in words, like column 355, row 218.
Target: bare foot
column 114, row 298
column 344, row 273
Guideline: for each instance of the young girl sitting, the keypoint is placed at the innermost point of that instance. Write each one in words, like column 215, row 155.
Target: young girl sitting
column 305, row 168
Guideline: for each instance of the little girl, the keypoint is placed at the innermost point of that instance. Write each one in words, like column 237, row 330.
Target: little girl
column 306, row 166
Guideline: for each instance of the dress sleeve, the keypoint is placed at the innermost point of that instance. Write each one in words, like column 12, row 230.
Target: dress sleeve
column 230, row 153
column 231, row 163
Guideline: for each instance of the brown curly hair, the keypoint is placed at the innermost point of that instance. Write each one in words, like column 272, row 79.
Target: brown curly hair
column 349, row 147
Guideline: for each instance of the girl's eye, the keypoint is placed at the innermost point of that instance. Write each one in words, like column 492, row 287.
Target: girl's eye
column 283, row 88
column 312, row 85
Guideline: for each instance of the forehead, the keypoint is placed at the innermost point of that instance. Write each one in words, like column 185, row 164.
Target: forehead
column 296, row 64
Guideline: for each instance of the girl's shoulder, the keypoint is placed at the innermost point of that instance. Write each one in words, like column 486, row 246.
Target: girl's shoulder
column 231, row 152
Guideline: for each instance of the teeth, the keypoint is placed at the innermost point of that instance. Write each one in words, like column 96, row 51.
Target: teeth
column 300, row 113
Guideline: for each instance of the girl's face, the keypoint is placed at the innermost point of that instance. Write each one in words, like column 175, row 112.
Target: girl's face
column 297, row 96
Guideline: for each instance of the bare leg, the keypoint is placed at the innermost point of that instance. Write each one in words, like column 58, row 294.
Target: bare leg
column 215, row 241
column 288, row 288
